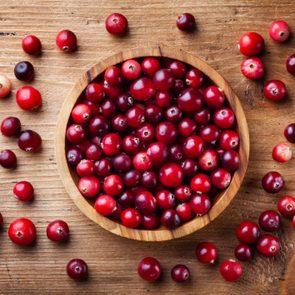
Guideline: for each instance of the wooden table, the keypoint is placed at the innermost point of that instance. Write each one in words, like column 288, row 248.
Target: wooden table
column 113, row 260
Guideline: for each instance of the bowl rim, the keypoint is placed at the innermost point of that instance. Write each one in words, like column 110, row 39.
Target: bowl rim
column 161, row 234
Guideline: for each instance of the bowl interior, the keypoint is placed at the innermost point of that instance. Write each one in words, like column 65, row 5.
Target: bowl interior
column 69, row 178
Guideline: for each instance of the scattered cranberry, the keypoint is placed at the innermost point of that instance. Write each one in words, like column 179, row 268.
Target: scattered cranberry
column 243, row 252
column 290, row 64
column 23, row 191
column 180, row 273
column 252, row 68
column 270, row 220
column 28, row 98
column 105, row 205
column 279, row 31
column 77, row 269
column 29, row 141
column 273, row 182
column 5, row 86
column 149, row 269
column 251, row 44
column 116, row 24
column 282, row 153
column 248, row 232
column 186, row 22
column 131, row 218
column 22, row 232
column 206, row 252
column 231, row 270
column 58, row 231
column 8, row 159
column 274, row 90
column 289, row 133
column 66, row 40
column 286, row 206
column 24, row 71
column 89, row 186
column 268, row 245
column 32, row 45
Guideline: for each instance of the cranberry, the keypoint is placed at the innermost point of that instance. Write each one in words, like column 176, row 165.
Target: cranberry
column 75, row 133
column 228, row 140
column 28, row 98
column 85, row 168
column 113, row 185
column 29, row 141
column 203, row 116
column 290, row 64
column 150, row 66
column 77, row 269
column 116, row 24
column 220, row 178
column 243, row 252
column 183, row 193
column 165, row 200
column 145, row 202
column 231, row 270
column 150, row 221
column 131, row 69
column 89, row 186
column 103, row 167
column 166, row 132
column 94, row 92
column 95, row 109
column 24, row 71
column 187, row 127
column 274, row 90
column 99, row 125
column 58, row 231
column 251, row 44
column 158, row 152
column 214, row 97
column 279, row 31
column 185, row 212
column 22, row 232
column 122, row 163
column 193, row 146
column 194, row 78
column 5, row 86
column 180, row 273
column 189, row 167
column 66, row 40
column 201, row 183
column 248, row 232
column 171, row 175
column 282, row 153
column 131, row 218
column 209, row 160
column 10, row 126
column 112, row 91
column 132, row 178
column 286, row 206
column 126, row 199
column 145, row 133
column 178, row 68
column 131, row 144
column 176, row 153
column 23, row 191
column 81, row 113
column 270, row 220
column 230, row 160
column 93, row 152
column 206, row 252
column 163, row 98
column 289, row 133
column 112, row 144
column 135, row 116
column 142, row 162
column 190, row 100
column 163, row 79
column 273, row 182
column 200, row 204
column 124, row 102
column 31, row 45
column 153, row 114
column 209, row 133
column 149, row 269
column 170, row 218
column 149, row 179
column 8, row 159
column 224, row 118
column 252, row 68
column 186, row 22
column 113, row 76
column 173, row 114
column 142, row 89
column 108, row 108
column 105, row 205
column 74, row 156
column 268, row 245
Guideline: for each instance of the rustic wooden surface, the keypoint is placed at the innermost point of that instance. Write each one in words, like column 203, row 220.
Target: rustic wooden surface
column 112, row 260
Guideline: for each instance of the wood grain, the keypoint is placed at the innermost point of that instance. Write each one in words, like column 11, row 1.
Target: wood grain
column 112, row 260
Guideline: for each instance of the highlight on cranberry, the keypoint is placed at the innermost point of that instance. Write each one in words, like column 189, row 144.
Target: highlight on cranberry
column 148, row 152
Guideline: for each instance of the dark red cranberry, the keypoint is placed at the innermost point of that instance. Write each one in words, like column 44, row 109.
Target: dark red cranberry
column 113, row 76
column 145, row 133
column 150, row 221
column 171, row 175
column 89, row 186
column 113, row 185
column 230, row 160
column 290, row 64
column 96, row 140
column 178, row 68
column 77, row 269
column 289, row 133
column 99, row 125
column 229, row 140
column 75, row 133
column 286, row 206
column 214, row 97
column 186, row 22
column 10, row 126
column 32, row 45
column 206, row 252
column 149, row 179
column 131, row 218
column 112, row 144
column 203, row 116
column 279, row 31
column 124, row 102
column 150, row 66
column 268, row 245
column 209, row 160
column 166, row 132
column 170, row 218
column 142, row 89
column 8, row 159
column 243, row 252
column 112, row 91
column 24, row 71
column 145, row 202
column 74, row 156
column 29, row 141
column 173, row 114
column 190, row 100
column 176, row 154
column 93, row 152
column 163, row 79
column 85, row 168
column 209, row 133
column 273, row 182
column 135, row 116
column 131, row 69
column 131, row 144
column 132, row 178
column 178, row 86
column 201, row 183
column 274, row 90
column 23, row 191
column 252, row 68
column 153, row 114
column 180, row 273
column 66, row 40
column 149, row 269
column 231, row 270
column 189, row 167
column 224, row 118
column 185, row 212
column 116, row 24
column 103, row 167
column 183, row 193
column 94, row 92
column 22, row 232
column 251, row 44
column 200, row 204
column 165, row 200
column 122, row 163
column 269, row 220
column 108, row 108
column 58, row 231
column 105, row 205
column 248, row 232
column 193, row 146
column 163, row 98
column 220, row 178
column 194, row 78
column 187, row 127
column 95, row 109
column 126, row 199
column 81, row 113
column 142, row 162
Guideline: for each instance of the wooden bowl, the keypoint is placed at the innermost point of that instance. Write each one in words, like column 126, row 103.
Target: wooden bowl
column 69, row 179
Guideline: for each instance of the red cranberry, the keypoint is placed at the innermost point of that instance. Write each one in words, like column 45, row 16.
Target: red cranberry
column 282, row 153
column 178, row 86
column 116, row 24
column 270, row 220
column 268, row 245
column 185, row 212
column 200, row 204
column 112, row 91
column 81, row 113
column 178, row 68
column 173, row 114
column 289, row 133
column 135, row 116
column 251, row 44
column 23, row 191
column 230, row 160
column 22, row 232
column 131, row 218
column 122, row 163
column 190, row 100
column 75, row 133
column 113, row 76
column 74, row 156
column 243, row 252
column 5, row 86
column 180, row 273
column 95, row 109
column 186, row 22
column 209, row 133
column 229, row 139
column 108, row 108
column 153, row 114
column 29, row 141
column 28, row 98
column 145, row 202
column 201, row 183
column 286, row 206
column 163, row 98
column 93, row 152
column 166, row 132
column 203, row 116
column 131, row 144
column 248, row 232
column 252, row 68
column 183, row 193
column 165, row 200
column 105, row 205
column 99, row 125
column 194, row 78
column 58, row 231
column 193, row 146
column 163, row 79
column 142, row 162
column 103, row 167
column 171, row 175
column 83, row 145
column 189, row 167
column 231, row 270
column 274, row 90
column 113, row 185
column 206, row 252
column 85, row 168
column 66, row 40
column 224, row 118
column 145, row 133
column 273, row 182
column 187, row 127
column 24, row 71
column 89, row 186
column 150, row 221
column 149, row 179
column 209, row 160
column 142, row 89
column 132, row 178
column 112, row 144
column 31, row 45
column 279, row 31
column 77, row 269
column 290, row 64
column 94, row 92
column 149, row 269
column 214, row 97
column 220, row 178
column 8, row 159
column 170, row 218
column 150, row 66
column 131, row 69
column 176, row 153
column 124, row 102
column 126, row 199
